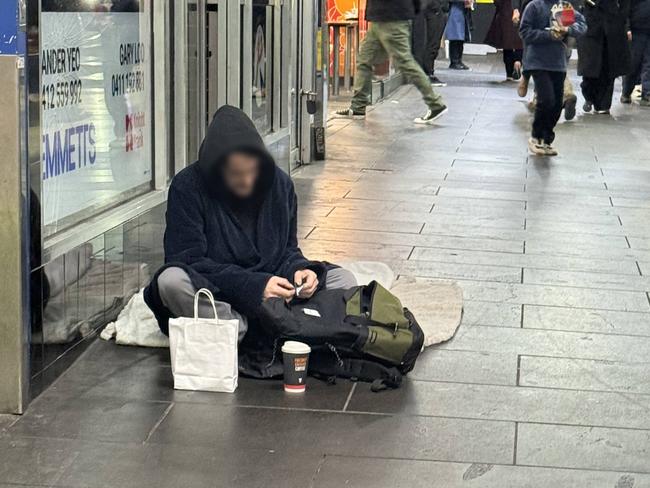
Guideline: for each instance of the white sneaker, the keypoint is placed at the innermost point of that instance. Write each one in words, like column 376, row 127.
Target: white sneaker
column 431, row 116
column 348, row 113
column 550, row 150
column 537, row 147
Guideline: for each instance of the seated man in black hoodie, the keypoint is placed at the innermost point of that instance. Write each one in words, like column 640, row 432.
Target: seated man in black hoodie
column 231, row 228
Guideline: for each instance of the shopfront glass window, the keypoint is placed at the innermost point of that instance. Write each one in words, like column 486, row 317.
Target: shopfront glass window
column 96, row 106
column 262, row 46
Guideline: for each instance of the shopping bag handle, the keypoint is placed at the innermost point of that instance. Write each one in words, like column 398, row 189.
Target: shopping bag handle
column 207, row 293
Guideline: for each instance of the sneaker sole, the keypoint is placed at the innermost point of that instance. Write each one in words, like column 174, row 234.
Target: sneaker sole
column 431, row 121
column 438, row 85
column 351, row 117
column 536, row 151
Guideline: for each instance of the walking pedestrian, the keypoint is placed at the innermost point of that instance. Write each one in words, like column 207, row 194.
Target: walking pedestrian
column 640, row 34
column 546, row 61
column 503, row 34
column 604, row 52
column 428, row 28
column 459, row 31
column 389, row 35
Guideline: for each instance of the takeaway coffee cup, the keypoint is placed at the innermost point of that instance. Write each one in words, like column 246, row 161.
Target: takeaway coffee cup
column 296, row 361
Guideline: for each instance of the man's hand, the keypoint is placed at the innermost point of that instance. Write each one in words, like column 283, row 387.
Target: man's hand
column 278, row 287
column 559, row 32
column 309, row 281
column 629, row 36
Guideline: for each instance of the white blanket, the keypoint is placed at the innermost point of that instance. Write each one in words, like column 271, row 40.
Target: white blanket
column 437, row 306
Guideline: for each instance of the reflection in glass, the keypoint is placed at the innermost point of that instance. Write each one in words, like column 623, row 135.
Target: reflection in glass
column 262, row 65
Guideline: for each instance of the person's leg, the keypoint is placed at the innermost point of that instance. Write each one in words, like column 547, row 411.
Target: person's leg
column 455, row 53
column 370, row 52
column 177, row 295
column 570, row 100
column 419, row 39
column 509, row 62
column 340, row 278
column 544, row 105
column 394, row 37
column 436, row 22
column 557, row 80
column 630, row 80
column 645, row 71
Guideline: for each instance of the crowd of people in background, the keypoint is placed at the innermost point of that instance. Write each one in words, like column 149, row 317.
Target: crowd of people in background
column 537, row 39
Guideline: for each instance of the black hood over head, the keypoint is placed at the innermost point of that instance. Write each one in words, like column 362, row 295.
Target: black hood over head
column 232, row 130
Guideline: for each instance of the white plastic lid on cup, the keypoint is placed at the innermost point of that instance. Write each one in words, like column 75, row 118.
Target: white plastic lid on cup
column 295, row 347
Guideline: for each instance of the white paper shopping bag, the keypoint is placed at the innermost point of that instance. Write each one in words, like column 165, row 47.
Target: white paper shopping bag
column 204, row 350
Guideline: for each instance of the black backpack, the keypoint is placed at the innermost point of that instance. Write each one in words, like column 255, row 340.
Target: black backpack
column 363, row 333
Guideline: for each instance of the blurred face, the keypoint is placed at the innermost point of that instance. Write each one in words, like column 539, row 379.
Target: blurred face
column 240, row 173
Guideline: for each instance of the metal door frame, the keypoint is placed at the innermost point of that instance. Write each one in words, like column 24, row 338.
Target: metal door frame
column 182, row 111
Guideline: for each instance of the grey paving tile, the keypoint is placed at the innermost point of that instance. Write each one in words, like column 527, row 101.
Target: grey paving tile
column 466, row 367
column 613, row 228
column 33, row 461
column 583, row 374
column 378, row 194
column 542, row 261
column 509, row 403
column 430, row 240
column 341, row 434
column 364, row 472
column 102, row 418
column 538, row 342
column 333, row 222
column 586, row 320
column 439, row 218
column 587, row 280
column 334, row 251
column 426, row 269
column 220, row 464
column 6, row 421
column 584, row 448
column 556, row 296
column 491, row 313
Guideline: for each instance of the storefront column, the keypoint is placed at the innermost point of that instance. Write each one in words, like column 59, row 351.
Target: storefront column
column 14, row 238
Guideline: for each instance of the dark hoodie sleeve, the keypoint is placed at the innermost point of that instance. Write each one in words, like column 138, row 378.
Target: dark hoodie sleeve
column 186, row 243
column 293, row 259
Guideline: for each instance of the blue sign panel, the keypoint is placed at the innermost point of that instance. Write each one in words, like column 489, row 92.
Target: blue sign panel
column 9, row 42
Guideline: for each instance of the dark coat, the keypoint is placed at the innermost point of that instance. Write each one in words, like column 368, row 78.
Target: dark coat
column 605, row 45
column 204, row 238
column 640, row 16
column 503, row 34
column 391, row 10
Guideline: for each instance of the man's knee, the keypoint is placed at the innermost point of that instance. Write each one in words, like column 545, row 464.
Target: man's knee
column 172, row 283
column 340, row 278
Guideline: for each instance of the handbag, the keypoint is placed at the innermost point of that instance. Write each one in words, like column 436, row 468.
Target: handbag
column 204, row 350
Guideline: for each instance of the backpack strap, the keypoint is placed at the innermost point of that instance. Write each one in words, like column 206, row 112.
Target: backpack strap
column 327, row 366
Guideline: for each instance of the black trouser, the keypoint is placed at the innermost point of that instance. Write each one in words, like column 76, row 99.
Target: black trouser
column 456, row 49
column 600, row 91
column 428, row 29
column 510, row 57
column 549, row 86
column 640, row 65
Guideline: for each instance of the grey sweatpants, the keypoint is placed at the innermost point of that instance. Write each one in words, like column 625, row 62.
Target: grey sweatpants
column 177, row 294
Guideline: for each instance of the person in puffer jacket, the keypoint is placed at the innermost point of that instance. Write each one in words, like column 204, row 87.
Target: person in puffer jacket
column 640, row 34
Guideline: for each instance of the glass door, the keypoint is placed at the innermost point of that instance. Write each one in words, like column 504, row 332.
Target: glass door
column 200, row 71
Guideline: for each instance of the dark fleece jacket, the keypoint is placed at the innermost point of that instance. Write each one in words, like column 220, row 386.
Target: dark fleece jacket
column 204, row 237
